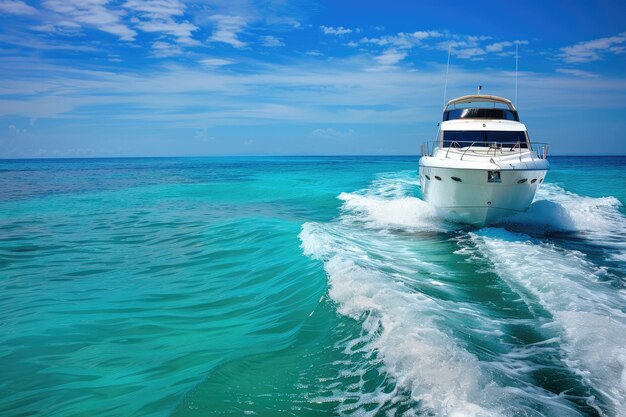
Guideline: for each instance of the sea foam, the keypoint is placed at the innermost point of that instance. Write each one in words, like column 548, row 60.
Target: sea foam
column 423, row 359
column 589, row 311
column 556, row 209
column 366, row 272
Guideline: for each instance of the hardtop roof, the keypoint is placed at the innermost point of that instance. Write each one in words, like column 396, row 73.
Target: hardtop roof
column 480, row 98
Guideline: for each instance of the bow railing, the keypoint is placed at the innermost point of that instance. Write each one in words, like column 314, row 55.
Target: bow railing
column 537, row 150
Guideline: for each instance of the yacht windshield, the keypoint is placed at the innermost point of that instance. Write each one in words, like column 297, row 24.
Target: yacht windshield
column 463, row 138
column 493, row 114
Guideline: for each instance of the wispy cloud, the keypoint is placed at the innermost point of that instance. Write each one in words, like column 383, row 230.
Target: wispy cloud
column 180, row 31
column 342, row 92
column 391, row 57
column 271, row 41
column 462, row 46
column 45, row 45
column 157, row 16
column 16, row 7
column 594, row 50
column 227, row 29
column 330, row 133
column 470, row 47
column 577, row 73
column 339, row 30
column 469, row 53
column 401, row 40
column 162, row 49
column 13, row 130
column 89, row 13
column 215, row 62
column 498, row 46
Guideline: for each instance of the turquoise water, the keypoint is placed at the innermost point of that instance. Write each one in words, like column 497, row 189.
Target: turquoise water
column 305, row 287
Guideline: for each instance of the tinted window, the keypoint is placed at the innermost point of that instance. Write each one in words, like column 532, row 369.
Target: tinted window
column 462, row 138
column 496, row 114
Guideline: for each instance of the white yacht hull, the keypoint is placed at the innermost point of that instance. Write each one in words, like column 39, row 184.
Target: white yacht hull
column 482, row 167
column 475, row 200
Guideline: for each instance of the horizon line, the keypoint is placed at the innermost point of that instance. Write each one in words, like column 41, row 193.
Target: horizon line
column 22, row 158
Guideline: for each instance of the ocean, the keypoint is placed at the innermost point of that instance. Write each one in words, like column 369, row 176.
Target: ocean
column 305, row 286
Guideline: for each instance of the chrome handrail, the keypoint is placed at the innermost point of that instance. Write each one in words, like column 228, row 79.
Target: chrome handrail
column 472, row 144
column 536, row 149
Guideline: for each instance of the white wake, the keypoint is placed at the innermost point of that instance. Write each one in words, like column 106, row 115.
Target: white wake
column 368, row 266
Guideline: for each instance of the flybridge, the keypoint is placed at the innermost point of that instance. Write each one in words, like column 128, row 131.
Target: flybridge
column 480, row 107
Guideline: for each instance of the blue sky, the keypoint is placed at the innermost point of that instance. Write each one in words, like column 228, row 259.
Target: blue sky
column 85, row 78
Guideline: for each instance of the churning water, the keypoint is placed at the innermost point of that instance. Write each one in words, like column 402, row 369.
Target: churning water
column 305, row 287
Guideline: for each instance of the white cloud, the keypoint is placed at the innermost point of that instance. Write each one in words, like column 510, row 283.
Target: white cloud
column 175, row 96
column 294, row 23
column 594, row 50
column 577, row 73
column 330, row 133
column 391, row 57
column 90, row 13
column 182, row 31
column 397, row 41
column 215, row 62
column 469, row 53
column 339, row 30
column 227, row 29
column 203, row 135
column 157, row 8
column 402, row 40
column 162, row 49
column 157, row 16
column 44, row 45
column 16, row 7
column 498, row 46
column 272, row 41
column 13, row 130
column 421, row 34
column 275, row 19
column 475, row 47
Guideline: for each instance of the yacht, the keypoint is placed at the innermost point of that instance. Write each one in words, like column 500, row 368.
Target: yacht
column 483, row 166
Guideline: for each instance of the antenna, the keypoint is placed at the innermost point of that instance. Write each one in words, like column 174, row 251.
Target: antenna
column 516, row 65
column 445, row 87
